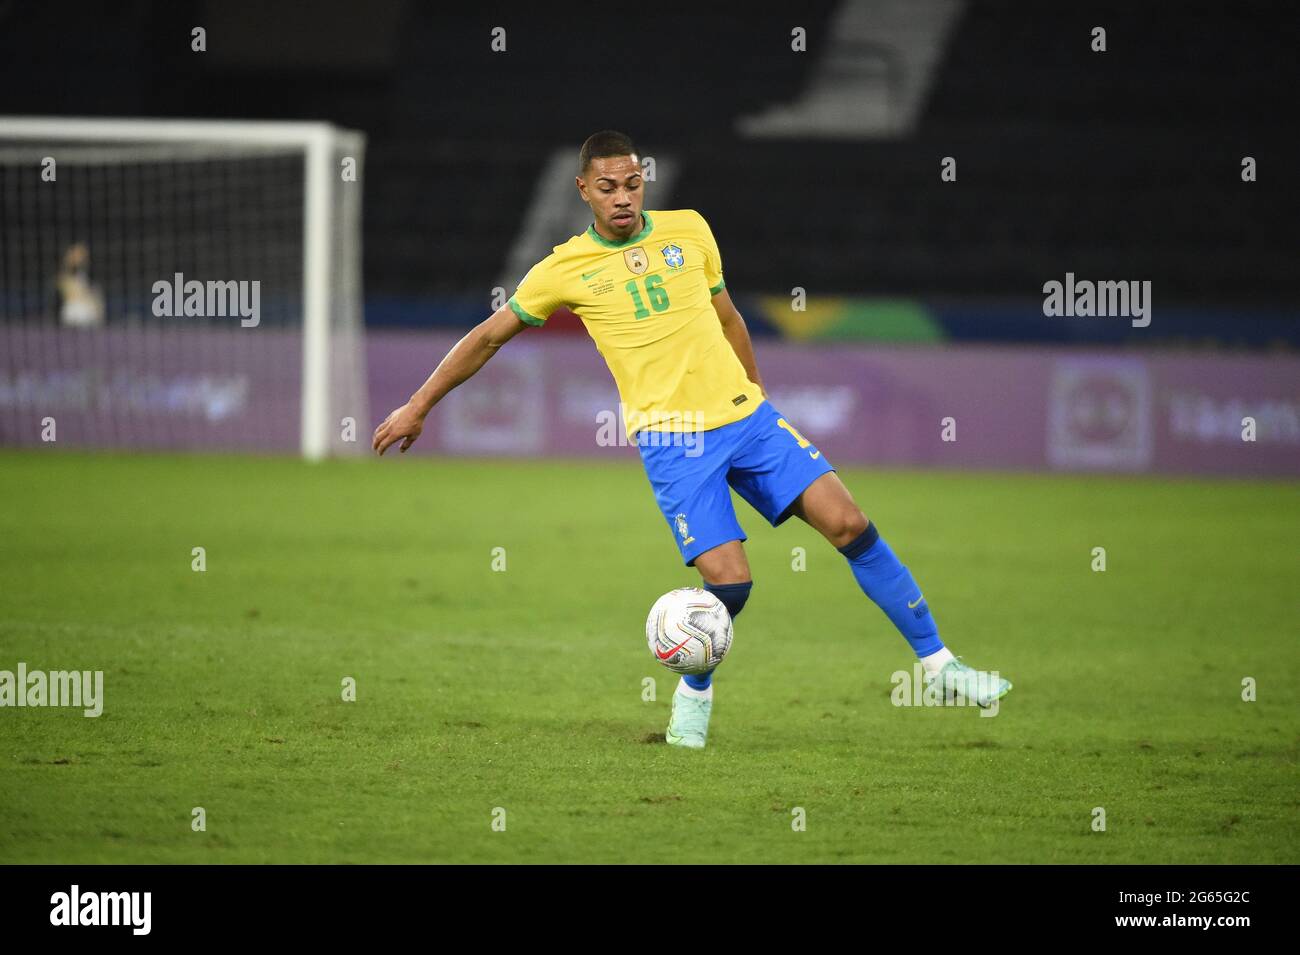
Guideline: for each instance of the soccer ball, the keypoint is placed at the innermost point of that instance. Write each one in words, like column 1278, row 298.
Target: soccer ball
column 689, row 630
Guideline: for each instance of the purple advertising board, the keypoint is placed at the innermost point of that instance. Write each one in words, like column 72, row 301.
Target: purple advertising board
column 151, row 386
column 995, row 407
column 972, row 406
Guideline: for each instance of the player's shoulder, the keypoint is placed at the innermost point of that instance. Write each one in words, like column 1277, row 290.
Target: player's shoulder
column 559, row 262
column 579, row 244
column 554, row 260
column 678, row 218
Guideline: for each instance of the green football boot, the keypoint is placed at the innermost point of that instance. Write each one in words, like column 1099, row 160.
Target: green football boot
column 689, row 724
column 956, row 679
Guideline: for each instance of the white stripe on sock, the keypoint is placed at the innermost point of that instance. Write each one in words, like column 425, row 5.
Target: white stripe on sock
column 935, row 661
column 686, row 689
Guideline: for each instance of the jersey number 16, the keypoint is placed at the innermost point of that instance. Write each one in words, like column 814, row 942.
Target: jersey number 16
column 658, row 296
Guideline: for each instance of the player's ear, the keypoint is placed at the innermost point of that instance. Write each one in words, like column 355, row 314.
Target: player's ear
column 582, row 187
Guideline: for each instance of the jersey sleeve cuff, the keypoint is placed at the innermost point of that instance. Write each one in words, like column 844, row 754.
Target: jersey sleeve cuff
column 524, row 316
column 722, row 283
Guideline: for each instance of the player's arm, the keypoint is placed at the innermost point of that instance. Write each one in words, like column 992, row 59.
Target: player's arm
column 733, row 327
column 466, row 357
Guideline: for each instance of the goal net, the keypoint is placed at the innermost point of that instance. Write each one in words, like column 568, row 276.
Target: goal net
column 181, row 285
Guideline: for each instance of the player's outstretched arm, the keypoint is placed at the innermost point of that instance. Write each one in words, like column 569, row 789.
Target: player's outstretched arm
column 466, row 357
column 733, row 327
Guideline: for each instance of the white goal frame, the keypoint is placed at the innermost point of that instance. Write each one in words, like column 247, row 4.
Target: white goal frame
column 320, row 143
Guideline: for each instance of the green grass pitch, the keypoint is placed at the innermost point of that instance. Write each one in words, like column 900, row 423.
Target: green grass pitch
column 522, row 689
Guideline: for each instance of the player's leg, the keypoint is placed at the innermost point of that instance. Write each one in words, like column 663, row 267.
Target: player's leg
column 781, row 474
column 827, row 506
column 692, row 494
column 724, row 565
column 725, row 570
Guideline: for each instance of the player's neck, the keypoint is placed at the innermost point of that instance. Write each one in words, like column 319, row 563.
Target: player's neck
column 640, row 227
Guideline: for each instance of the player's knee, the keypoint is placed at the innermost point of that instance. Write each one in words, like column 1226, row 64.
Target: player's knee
column 848, row 526
column 719, row 574
column 726, row 564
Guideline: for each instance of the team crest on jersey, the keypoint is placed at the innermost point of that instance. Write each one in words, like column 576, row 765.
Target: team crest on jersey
column 673, row 256
column 683, row 530
column 636, row 260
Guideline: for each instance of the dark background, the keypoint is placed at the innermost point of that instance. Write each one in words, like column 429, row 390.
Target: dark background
column 1115, row 165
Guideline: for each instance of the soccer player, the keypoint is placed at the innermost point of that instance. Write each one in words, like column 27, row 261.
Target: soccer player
column 648, row 286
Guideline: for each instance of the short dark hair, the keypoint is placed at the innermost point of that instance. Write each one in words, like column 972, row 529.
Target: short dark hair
column 607, row 142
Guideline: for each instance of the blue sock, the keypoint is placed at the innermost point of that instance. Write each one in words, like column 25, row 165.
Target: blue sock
column 733, row 597
column 890, row 585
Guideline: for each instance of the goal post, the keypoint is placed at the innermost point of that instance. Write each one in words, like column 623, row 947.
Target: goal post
column 156, row 276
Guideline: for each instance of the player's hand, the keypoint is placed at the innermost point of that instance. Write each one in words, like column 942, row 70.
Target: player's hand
column 402, row 424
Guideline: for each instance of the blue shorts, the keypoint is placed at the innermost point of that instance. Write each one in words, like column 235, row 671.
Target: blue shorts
column 762, row 456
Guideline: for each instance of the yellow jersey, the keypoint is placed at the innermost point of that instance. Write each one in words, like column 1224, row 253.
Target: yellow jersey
column 647, row 303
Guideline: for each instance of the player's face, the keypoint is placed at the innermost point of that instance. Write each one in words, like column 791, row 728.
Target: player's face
column 613, row 188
